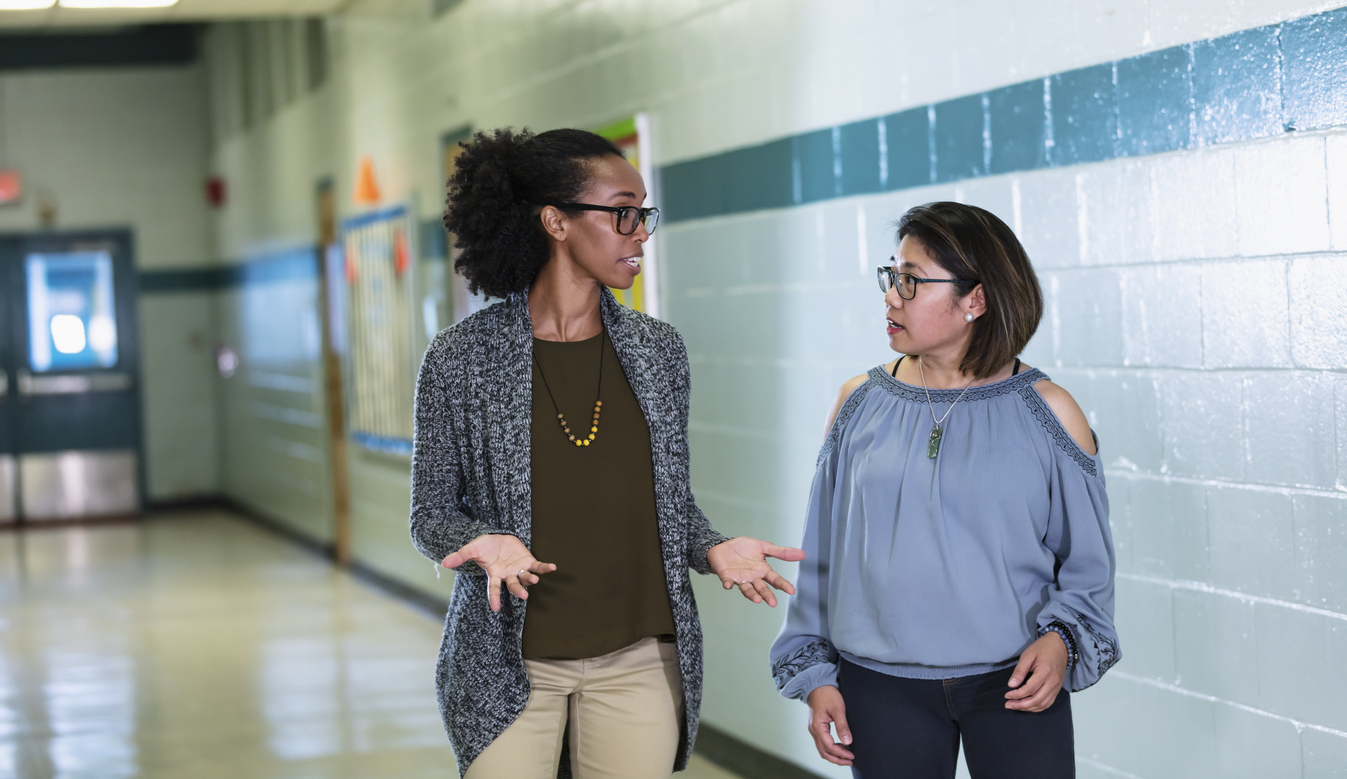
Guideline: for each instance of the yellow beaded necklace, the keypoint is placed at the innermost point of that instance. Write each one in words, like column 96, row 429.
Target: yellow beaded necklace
column 598, row 404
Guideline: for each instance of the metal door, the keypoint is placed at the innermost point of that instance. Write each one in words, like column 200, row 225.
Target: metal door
column 8, row 472
column 70, row 418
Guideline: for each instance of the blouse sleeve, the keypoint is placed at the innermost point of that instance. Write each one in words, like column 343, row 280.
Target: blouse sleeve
column 440, row 518
column 1080, row 604
column 803, row 656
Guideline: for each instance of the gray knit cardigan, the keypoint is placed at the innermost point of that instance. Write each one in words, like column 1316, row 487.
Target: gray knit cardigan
column 470, row 477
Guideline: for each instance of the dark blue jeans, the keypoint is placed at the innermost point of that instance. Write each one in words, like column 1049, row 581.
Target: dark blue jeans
column 911, row 728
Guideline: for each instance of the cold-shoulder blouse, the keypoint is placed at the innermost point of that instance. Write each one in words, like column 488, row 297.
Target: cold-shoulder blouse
column 938, row 568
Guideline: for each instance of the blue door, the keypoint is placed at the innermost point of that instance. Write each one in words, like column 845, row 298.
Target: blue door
column 70, row 415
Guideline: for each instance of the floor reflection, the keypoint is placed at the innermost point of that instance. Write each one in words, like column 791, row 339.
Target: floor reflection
column 199, row 646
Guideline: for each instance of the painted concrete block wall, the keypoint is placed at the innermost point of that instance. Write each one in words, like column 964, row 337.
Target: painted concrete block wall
column 274, row 450
column 1222, row 450
column 128, row 147
column 181, row 394
column 1191, row 310
column 275, row 456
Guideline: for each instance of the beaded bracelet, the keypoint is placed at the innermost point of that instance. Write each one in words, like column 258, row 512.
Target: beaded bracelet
column 1061, row 629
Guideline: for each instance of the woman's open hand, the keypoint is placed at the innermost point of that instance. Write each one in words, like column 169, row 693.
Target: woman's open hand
column 504, row 558
column 1044, row 665
column 828, row 710
column 742, row 562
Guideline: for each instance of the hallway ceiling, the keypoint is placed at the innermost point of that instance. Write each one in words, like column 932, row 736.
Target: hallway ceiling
column 183, row 11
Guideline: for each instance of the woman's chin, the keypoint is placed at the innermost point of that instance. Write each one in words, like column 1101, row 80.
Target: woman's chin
column 621, row 279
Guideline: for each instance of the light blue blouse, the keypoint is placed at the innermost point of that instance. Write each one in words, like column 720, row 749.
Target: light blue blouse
column 938, row 568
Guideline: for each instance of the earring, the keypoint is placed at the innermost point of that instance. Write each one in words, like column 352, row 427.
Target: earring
column 968, row 317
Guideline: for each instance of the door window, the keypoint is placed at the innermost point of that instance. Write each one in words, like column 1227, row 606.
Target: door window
column 71, row 321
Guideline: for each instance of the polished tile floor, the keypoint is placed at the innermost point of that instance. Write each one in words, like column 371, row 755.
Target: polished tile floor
column 198, row 646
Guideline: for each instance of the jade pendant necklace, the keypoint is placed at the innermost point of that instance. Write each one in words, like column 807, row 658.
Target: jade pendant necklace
column 582, row 440
column 933, row 446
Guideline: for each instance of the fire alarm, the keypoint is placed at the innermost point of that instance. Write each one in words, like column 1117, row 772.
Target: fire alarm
column 216, row 191
column 11, row 187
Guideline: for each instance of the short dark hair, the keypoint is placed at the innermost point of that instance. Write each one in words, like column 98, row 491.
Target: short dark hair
column 971, row 243
column 501, row 180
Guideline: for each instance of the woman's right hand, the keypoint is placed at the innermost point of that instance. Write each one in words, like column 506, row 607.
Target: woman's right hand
column 827, row 708
column 505, row 559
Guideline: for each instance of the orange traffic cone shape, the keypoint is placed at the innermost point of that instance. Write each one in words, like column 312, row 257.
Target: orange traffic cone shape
column 366, row 185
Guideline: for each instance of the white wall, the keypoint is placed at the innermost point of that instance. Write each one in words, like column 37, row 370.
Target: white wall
column 128, row 148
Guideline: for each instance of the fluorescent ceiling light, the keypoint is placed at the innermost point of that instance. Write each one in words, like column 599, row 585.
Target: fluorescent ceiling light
column 117, row 3
column 25, row 5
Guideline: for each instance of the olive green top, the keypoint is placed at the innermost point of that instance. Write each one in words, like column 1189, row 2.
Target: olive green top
column 593, row 510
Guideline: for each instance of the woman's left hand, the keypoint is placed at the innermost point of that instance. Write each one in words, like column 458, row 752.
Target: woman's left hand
column 742, row 562
column 1044, row 665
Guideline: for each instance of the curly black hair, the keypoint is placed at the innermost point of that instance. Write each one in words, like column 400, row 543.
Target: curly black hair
column 501, row 180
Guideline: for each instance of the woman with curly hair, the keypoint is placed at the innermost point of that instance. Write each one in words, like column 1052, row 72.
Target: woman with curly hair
column 551, row 460
column 960, row 572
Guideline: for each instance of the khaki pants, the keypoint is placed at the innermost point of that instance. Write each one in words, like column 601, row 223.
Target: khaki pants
column 625, row 711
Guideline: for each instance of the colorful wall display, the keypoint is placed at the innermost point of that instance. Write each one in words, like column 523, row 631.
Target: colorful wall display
column 632, row 136
column 379, row 314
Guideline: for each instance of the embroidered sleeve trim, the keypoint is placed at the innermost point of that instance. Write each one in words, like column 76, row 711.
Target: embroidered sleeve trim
column 843, row 417
column 1105, row 648
column 1040, row 409
column 811, row 654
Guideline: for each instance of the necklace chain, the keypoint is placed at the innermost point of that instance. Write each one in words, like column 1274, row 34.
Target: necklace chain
column 933, row 447
column 583, row 440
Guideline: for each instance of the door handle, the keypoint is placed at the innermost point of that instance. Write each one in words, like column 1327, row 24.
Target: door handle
column 4, row 385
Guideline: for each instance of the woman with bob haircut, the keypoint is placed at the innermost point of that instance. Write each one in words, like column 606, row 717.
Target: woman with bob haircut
column 959, row 577
column 551, row 459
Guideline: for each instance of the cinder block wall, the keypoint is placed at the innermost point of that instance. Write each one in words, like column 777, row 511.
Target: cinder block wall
column 1184, row 234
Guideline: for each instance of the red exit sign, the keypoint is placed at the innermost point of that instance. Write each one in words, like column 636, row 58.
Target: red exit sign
column 11, row 186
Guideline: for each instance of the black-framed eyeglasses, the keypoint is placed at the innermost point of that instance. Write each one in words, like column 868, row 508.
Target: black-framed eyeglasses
column 627, row 216
column 890, row 277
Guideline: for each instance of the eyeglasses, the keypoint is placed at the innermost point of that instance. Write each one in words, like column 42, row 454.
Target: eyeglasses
column 627, row 216
column 889, row 277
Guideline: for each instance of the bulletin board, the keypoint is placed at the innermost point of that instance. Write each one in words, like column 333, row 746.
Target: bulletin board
column 632, row 136
column 380, row 319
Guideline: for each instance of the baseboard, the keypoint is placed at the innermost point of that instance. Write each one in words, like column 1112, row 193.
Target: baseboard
column 743, row 758
column 189, row 503
column 419, row 599
column 432, row 605
column 96, row 520
column 324, row 549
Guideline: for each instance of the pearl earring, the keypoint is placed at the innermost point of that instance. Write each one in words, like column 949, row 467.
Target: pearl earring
column 968, row 317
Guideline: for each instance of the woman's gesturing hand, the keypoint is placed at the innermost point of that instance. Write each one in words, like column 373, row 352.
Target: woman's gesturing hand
column 742, row 562
column 1044, row 663
column 826, row 708
column 504, row 558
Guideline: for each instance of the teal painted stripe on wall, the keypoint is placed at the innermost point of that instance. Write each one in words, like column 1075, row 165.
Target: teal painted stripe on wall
column 287, row 265
column 181, row 281
column 1251, row 84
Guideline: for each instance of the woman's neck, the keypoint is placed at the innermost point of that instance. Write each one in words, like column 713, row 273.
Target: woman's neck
column 941, row 371
column 938, row 370
column 564, row 303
